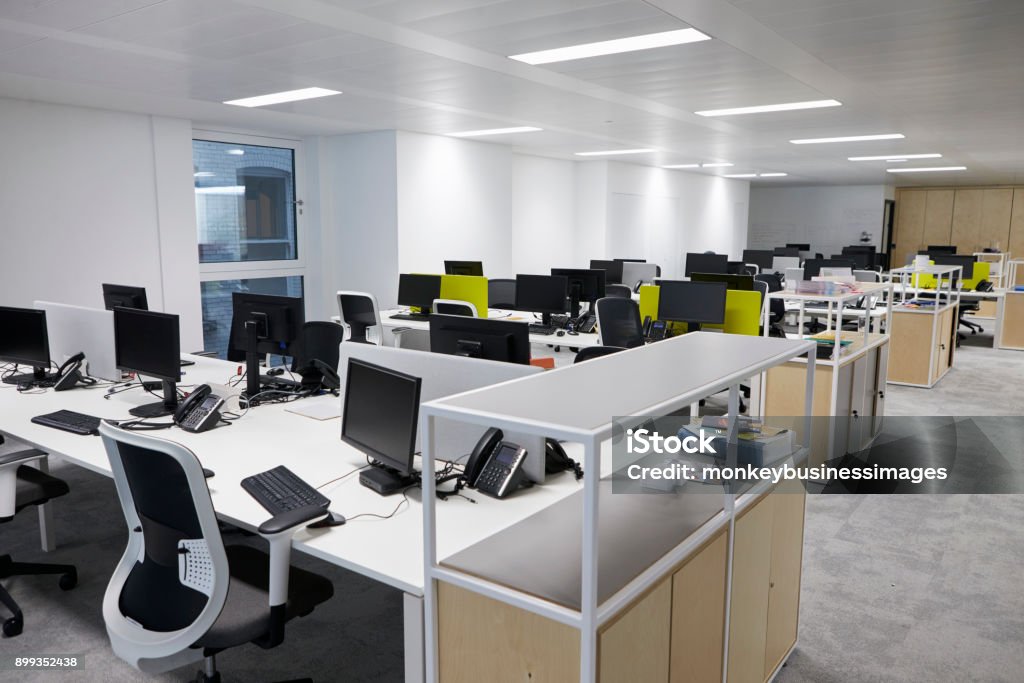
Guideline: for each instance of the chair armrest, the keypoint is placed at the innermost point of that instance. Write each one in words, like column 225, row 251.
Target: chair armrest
column 289, row 521
column 9, row 464
column 20, row 457
column 278, row 531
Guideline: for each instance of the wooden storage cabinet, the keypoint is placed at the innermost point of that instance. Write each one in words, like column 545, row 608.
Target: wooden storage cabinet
column 1011, row 333
column 923, row 345
column 698, row 615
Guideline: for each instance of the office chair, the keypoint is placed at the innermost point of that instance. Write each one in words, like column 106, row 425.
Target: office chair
column 776, row 307
column 589, row 352
column 618, row 323
column 619, row 291
column 501, row 293
column 455, row 307
column 22, row 486
column 180, row 595
column 970, row 308
column 359, row 312
column 317, row 354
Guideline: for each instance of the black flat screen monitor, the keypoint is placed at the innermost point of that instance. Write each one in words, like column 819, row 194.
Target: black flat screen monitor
column 964, row 261
column 24, row 340
column 706, row 263
column 799, row 246
column 418, row 291
column 500, row 340
column 381, row 414
column 762, row 258
column 813, row 266
column 278, row 322
column 860, row 260
column 743, row 282
column 148, row 343
column 125, row 296
column 545, row 294
column 464, row 268
column 631, row 260
column 612, row 270
column 694, row 303
column 585, row 283
column 942, row 248
column 786, row 251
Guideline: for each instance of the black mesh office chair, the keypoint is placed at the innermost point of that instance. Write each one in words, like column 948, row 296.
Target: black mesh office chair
column 776, row 307
column 179, row 595
column 456, row 307
column 501, row 293
column 316, row 353
column 22, row 486
column 589, row 352
column 618, row 291
column 359, row 313
column 971, row 308
column 618, row 323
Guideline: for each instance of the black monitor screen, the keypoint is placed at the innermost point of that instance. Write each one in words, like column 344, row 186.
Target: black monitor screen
column 799, row 246
column 942, row 248
column 586, row 283
column 762, row 258
column 418, row 290
column 23, row 337
column 631, row 260
column 964, row 261
column 542, row 293
column 381, row 412
column 745, row 282
column 706, row 263
column 813, row 266
column 124, row 296
column 147, row 343
column 786, row 251
column 278, row 322
column 692, row 302
column 500, row 340
column 612, row 270
column 463, row 268
column 860, row 259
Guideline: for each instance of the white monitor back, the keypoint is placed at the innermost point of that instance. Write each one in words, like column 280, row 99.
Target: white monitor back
column 794, row 274
column 74, row 329
column 444, row 375
column 636, row 272
column 781, row 263
column 837, row 272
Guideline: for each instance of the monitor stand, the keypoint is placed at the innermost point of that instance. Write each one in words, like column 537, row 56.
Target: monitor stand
column 386, row 480
column 692, row 327
column 574, row 301
column 165, row 407
column 38, row 374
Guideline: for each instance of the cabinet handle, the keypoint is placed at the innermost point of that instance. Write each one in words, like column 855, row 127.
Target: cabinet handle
column 855, row 415
column 881, row 394
column 771, row 584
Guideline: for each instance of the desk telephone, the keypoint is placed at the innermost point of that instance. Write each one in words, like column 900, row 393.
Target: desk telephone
column 200, row 411
column 495, row 466
column 654, row 330
column 70, row 374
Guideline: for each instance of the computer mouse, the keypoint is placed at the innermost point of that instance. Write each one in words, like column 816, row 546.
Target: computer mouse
column 207, row 472
column 560, row 333
column 332, row 519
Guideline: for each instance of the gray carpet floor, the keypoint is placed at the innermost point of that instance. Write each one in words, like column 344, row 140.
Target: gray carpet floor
column 895, row 588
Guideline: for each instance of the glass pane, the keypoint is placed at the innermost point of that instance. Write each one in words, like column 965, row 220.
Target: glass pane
column 216, row 297
column 245, row 202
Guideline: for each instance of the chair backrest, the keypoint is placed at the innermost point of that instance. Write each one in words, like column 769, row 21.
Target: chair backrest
column 359, row 312
column 618, row 291
column 773, row 280
column 589, row 352
column 867, row 276
column 318, row 340
column 455, row 307
column 172, row 581
column 762, row 287
column 618, row 323
column 501, row 293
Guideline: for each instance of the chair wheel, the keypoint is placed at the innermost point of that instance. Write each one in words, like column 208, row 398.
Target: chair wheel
column 13, row 627
column 68, row 581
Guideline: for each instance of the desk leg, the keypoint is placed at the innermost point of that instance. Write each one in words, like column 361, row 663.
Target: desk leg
column 47, row 537
column 414, row 656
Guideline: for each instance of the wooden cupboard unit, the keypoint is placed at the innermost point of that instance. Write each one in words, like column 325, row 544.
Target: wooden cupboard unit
column 637, row 645
column 698, row 615
column 923, row 345
column 971, row 218
column 1010, row 334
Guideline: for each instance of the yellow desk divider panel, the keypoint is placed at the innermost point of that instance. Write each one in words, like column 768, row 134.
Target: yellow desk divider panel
column 742, row 310
column 982, row 271
column 471, row 288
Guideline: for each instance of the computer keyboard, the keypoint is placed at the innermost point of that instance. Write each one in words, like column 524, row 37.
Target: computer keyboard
column 537, row 328
column 409, row 316
column 559, row 321
column 280, row 490
column 69, row 421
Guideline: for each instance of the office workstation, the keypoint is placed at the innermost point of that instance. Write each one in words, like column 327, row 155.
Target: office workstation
column 432, row 341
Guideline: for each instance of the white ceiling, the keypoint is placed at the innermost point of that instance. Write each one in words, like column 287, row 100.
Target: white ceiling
column 947, row 73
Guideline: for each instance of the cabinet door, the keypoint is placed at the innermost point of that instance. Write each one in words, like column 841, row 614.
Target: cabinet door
column 880, row 389
column 698, row 615
column 785, row 573
column 635, row 647
column 944, row 340
column 858, row 379
column 748, row 606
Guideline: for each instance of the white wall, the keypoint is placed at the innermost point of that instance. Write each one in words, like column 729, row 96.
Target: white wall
column 90, row 196
column 828, row 218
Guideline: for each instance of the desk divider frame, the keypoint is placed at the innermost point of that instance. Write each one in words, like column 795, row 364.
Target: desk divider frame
column 592, row 614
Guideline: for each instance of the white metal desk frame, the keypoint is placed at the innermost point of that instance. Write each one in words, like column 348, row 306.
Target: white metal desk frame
column 591, row 615
column 945, row 276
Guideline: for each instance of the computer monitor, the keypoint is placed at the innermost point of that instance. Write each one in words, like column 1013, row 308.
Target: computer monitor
column 942, row 248
column 380, row 417
column 634, row 272
column 501, row 340
column 125, row 296
column 545, row 294
column 706, row 263
column 780, row 264
column 693, row 303
column 612, row 270
column 418, row 291
column 24, row 340
column 464, row 268
column 262, row 324
column 762, row 258
column 786, row 251
column 861, row 260
column 813, row 266
column 631, row 260
column 148, row 343
column 799, row 246
column 965, row 261
column 743, row 282
column 584, row 285
column 77, row 329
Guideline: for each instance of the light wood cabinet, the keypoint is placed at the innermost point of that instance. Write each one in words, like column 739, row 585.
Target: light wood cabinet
column 972, row 218
column 1011, row 334
column 1015, row 242
column 635, row 647
column 698, row 615
column 923, row 345
column 784, row 576
column 910, row 214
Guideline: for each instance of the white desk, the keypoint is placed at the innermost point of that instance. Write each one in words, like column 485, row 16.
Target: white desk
column 390, row 551
column 575, row 341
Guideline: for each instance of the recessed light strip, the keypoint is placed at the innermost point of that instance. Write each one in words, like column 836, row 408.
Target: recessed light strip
column 850, row 138
column 772, row 175
column 494, row 131
column 895, row 157
column 682, row 166
column 610, row 152
column 716, row 164
column 767, row 108
column 612, row 47
column 281, row 97
column 926, row 170
column 740, row 175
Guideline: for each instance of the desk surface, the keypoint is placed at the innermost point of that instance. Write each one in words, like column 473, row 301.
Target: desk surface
column 575, row 341
column 390, row 551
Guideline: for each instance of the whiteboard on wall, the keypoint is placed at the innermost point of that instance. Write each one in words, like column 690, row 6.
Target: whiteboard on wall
column 646, row 226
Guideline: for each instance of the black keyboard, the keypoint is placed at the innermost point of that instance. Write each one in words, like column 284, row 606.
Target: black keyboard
column 559, row 321
column 280, row 490
column 537, row 328
column 76, row 423
column 410, row 316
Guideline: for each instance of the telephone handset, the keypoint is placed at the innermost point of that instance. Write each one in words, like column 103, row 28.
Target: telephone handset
column 200, row 411
column 586, row 323
column 495, row 466
column 70, row 374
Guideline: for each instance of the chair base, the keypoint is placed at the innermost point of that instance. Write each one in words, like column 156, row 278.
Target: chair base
column 209, row 673
column 8, row 568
